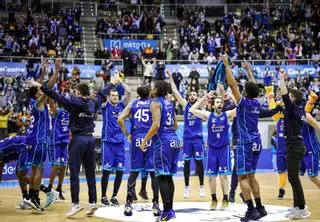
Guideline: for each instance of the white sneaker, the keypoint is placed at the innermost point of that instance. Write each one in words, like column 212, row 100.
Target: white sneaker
column 186, row 192
column 52, row 196
column 202, row 191
column 299, row 214
column 76, row 208
column 22, row 206
column 92, row 209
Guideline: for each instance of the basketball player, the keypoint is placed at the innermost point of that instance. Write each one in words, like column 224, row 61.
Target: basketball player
column 310, row 162
column 141, row 120
column 82, row 109
column 113, row 141
column 165, row 144
column 218, row 142
column 193, row 147
column 58, row 147
column 37, row 137
column 249, row 145
column 16, row 149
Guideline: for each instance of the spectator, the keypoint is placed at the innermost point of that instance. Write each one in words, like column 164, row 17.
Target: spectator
column 4, row 117
column 194, row 56
column 211, row 58
column 98, row 82
column 184, row 51
column 194, row 78
column 160, row 71
column 148, row 70
column 177, row 78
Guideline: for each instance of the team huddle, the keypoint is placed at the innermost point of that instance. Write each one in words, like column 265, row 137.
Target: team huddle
column 155, row 146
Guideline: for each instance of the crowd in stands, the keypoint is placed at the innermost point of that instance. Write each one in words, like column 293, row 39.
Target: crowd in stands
column 257, row 33
column 115, row 25
column 55, row 33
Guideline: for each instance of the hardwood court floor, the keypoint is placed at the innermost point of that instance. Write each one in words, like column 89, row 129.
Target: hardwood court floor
column 9, row 197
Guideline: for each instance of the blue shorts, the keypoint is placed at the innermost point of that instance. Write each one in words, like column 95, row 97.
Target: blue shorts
column 193, row 148
column 141, row 160
column 219, row 162
column 58, row 154
column 113, row 156
column 310, row 164
column 247, row 157
column 166, row 155
column 14, row 148
column 282, row 162
column 37, row 155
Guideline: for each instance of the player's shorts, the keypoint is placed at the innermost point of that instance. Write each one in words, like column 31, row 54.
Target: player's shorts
column 58, row 154
column 166, row 154
column 193, row 148
column 281, row 162
column 219, row 161
column 113, row 156
column 247, row 157
column 141, row 160
column 14, row 148
column 37, row 155
column 310, row 164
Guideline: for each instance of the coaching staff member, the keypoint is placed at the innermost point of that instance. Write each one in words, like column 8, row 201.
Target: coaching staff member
column 293, row 116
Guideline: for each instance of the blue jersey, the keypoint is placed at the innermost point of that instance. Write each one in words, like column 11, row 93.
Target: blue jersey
column 310, row 138
column 192, row 124
column 38, row 129
column 248, row 111
column 218, row 130
column 281, row 142
column 60, row 131
column 167, row 117
column 141, row 118
column 111, row 131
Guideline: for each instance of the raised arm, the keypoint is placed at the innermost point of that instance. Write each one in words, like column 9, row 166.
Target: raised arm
column 195, row 108
column 231, row 80
column 284, row 91
column 43, row 71
column 246, row 66
column 268, row 113
column 127, row 91
column 312, row 122
column 42, row 99
column 231, row 114
column 124, row 115
column 156, row 117
column 176, row 92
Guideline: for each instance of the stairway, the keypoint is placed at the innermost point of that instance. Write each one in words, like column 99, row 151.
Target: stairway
column 89, row 40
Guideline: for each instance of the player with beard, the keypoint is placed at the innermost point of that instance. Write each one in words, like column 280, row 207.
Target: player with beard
column 193, row 146
column 218, row 142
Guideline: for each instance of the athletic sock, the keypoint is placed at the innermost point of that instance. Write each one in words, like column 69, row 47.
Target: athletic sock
column 59, row 187
column 49, row 187
column 250, row 204
column 214, row 197
column 301, row 207
column 186, row 172
column 104, row 182
column 225, row 197
column 25, row 194
column 258, row 202
column 43, row 188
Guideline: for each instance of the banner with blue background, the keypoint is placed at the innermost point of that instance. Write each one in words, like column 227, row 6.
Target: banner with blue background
column 129, row 44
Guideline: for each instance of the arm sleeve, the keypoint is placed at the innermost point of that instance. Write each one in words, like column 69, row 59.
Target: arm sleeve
column 268, row 113
column 66, row 103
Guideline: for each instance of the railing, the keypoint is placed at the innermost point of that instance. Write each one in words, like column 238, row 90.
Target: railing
column 136, row 36
column 180, row 10
column 71, row 61
column 24, row 5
